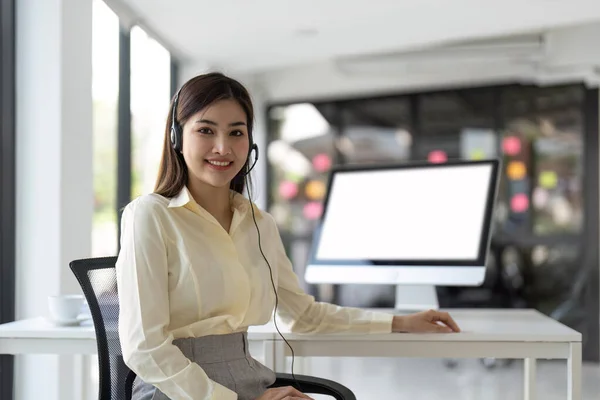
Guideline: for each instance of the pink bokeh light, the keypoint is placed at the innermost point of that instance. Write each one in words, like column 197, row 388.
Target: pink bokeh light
column 313, row 210
column 519, row 203
column 288, row 190
column 437, row 157
column 321, row 162
column 511, row 145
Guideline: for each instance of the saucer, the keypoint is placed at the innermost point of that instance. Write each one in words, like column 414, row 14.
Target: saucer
column 69, row 322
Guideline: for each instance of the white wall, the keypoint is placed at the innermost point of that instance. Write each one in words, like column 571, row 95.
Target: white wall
column 54, row 173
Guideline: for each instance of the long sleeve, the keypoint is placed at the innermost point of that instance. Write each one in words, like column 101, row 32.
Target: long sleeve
column 142, row 279
column 303, row 314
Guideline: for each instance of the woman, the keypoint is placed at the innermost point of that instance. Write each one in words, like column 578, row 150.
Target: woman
column 193, row 272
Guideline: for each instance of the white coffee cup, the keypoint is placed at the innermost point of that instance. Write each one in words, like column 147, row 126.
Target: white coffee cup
column 66, row 307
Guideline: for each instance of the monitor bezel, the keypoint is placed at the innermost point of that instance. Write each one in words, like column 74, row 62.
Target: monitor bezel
column 485, row 236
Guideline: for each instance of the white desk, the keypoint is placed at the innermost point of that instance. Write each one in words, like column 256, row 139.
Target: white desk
column 38, row 336
column 525, row 334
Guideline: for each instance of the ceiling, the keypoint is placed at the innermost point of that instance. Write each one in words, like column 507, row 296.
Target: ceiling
column 259, row 35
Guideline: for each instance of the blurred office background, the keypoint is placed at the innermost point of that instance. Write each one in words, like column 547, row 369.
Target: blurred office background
column 86, row 86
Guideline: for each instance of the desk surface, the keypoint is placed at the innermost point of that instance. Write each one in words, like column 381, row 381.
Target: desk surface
column 480, row 325
column 477, row 325
column 41, row 328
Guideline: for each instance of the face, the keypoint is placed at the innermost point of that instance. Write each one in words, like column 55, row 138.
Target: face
column 216, row 143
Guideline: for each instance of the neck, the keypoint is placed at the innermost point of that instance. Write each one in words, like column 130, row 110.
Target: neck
column 215, row 200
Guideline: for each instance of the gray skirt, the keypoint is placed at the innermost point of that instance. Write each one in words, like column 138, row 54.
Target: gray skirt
column 225, row 359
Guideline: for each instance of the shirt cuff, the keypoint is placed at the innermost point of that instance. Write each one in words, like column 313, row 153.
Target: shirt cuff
column 222, row 393
column 381, row 322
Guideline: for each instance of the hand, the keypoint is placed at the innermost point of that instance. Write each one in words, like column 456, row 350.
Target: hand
column 427, row 321
column 283, row 393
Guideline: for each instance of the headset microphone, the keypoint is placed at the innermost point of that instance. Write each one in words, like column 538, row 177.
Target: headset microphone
column 255, row 148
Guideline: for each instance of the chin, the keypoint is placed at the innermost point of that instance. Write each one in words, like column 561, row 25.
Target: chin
column 216, row 182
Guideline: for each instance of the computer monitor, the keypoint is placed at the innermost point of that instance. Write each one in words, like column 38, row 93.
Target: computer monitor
column 415, row 225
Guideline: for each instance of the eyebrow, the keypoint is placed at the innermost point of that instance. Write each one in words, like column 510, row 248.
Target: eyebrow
column 209, row 122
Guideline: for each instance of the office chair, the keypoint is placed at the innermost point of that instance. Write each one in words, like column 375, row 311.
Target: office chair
column 98, row 279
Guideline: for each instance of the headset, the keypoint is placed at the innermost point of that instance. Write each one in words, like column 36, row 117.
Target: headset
column 176, row 142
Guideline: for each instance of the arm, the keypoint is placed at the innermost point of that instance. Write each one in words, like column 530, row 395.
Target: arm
column 305, row 315
column 142, row 279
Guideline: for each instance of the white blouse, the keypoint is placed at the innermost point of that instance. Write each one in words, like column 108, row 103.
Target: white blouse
column 180, row 274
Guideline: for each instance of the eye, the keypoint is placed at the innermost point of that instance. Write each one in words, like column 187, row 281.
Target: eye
column 237, row 133
column 205, row 131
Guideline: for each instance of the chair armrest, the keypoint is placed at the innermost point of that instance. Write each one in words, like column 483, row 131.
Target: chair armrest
column 309, row 384
column 314, row 385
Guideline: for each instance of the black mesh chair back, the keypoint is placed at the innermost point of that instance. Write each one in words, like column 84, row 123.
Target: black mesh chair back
column 98, row 279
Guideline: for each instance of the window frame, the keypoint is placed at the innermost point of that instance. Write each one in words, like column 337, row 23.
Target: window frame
column 124, row 127
column 8, row 183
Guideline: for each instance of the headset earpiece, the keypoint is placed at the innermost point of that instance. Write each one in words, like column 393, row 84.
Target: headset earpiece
column 176, row 138
column 176, row 133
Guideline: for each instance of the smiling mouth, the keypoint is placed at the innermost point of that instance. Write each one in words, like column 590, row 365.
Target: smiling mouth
column 219, row 165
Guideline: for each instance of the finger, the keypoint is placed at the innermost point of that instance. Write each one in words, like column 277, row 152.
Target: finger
column 294, row 398
column 293, row 392
column 445, row 318
column 437, row 328
column 301, row 395
column 448, row 320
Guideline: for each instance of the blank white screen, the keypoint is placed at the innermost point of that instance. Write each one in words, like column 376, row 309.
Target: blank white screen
column 406, row 214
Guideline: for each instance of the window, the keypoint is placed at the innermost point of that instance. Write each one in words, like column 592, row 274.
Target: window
column 150, row 96
column 105, row 92
column 105, row 97
column 130, row 74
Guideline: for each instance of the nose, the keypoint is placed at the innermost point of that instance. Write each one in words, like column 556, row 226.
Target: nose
column 221, row 145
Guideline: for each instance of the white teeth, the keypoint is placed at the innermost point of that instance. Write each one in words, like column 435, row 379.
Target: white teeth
column 219, row 163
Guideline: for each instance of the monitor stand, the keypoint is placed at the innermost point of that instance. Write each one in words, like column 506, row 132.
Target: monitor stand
column 416, row 298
